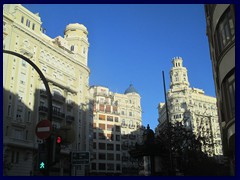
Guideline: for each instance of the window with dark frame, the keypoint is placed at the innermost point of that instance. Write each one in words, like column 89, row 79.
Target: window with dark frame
column 102, row 146
column 225, row 31
column 72, row 48
column 102, row 156
column 22, row 19
column 102, row 166
column 228, row 87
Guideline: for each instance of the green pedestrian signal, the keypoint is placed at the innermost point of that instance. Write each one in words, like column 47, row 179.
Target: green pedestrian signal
column 42, row 156
column 42, row 165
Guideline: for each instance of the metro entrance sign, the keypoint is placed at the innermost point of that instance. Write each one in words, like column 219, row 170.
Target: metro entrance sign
column 43, row 129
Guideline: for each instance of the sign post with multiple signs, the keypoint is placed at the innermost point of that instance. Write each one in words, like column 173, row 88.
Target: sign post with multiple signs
column 80, row 158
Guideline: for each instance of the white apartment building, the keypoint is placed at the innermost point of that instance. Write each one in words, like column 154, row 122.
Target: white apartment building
column 193, row 108
column 117, row 123
column 64, row 63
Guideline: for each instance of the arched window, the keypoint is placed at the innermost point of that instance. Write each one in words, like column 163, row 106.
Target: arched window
column 57, row 92
column 72, row 48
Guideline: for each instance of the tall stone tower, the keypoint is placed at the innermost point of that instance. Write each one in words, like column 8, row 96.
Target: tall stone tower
column 193, row 109
column 76, row 36
column 178, row 75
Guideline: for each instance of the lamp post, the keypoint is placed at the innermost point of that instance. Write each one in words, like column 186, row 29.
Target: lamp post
column 168, row 127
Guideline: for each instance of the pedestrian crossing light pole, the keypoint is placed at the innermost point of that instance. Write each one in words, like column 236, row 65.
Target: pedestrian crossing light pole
column 42, row 157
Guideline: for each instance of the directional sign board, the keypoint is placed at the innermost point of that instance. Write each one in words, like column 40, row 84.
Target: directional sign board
column 43, row 129
column 81, row 157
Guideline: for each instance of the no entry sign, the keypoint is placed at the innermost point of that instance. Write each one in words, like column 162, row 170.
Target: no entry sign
column 43, row 129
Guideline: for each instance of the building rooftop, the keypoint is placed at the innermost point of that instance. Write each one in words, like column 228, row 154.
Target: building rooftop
column 130, row 89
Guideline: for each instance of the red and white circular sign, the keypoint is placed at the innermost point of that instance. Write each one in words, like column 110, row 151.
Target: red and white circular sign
column 43, row 129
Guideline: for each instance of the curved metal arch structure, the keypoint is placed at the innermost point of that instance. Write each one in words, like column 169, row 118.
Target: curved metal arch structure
column 49, row 95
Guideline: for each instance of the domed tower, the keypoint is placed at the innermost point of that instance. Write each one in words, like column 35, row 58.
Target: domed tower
column 178, row 75
column 130, row 89
column 77, row 37
column 134, row 100
column 133, row 95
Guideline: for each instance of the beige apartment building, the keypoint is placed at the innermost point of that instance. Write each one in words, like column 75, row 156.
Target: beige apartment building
column 64, row 63
column 220, row 21
column 191, row 107
column 117, row 126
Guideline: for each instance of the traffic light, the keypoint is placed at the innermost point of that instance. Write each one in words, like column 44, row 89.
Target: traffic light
column 56, row 142
column 58, row 147
column 42, row 162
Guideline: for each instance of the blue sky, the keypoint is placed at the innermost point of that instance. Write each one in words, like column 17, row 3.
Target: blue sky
column 134, row 43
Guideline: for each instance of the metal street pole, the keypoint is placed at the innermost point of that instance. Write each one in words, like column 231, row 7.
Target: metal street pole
column 168, row 126
column 49, row 95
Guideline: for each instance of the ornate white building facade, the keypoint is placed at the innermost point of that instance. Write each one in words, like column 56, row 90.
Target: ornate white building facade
column 192, row 108
column 63, row 61
column 117, row 126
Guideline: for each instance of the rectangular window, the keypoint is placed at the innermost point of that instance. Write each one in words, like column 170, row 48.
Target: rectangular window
column 110, row 118
column 101, row 117
column 13, row 157
column 26, row 135
column 229, row 96
column 225, row 31
column 101, row 136
column 28, row 23
column 116, row 119
column 102, row 166
column 9, row 110
column 101, row 107
column 22, row 20
column 101, row 156
column 102, row 146
column 19, row 113
column 102, row 126
column 110, row 156
column 108, row 108
column 7, row 131
column 117, row 128
column 110, row 127
column 118, row 167
column 114, row 108
column 33, row 26
column 110, row 147
column 93, row 166
column 18, row 134
column 117, row 137
column 118, row 157
column 110, row 167
column 17, row 158
column 109, row 136
column 29, row 116
column 117, row 147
